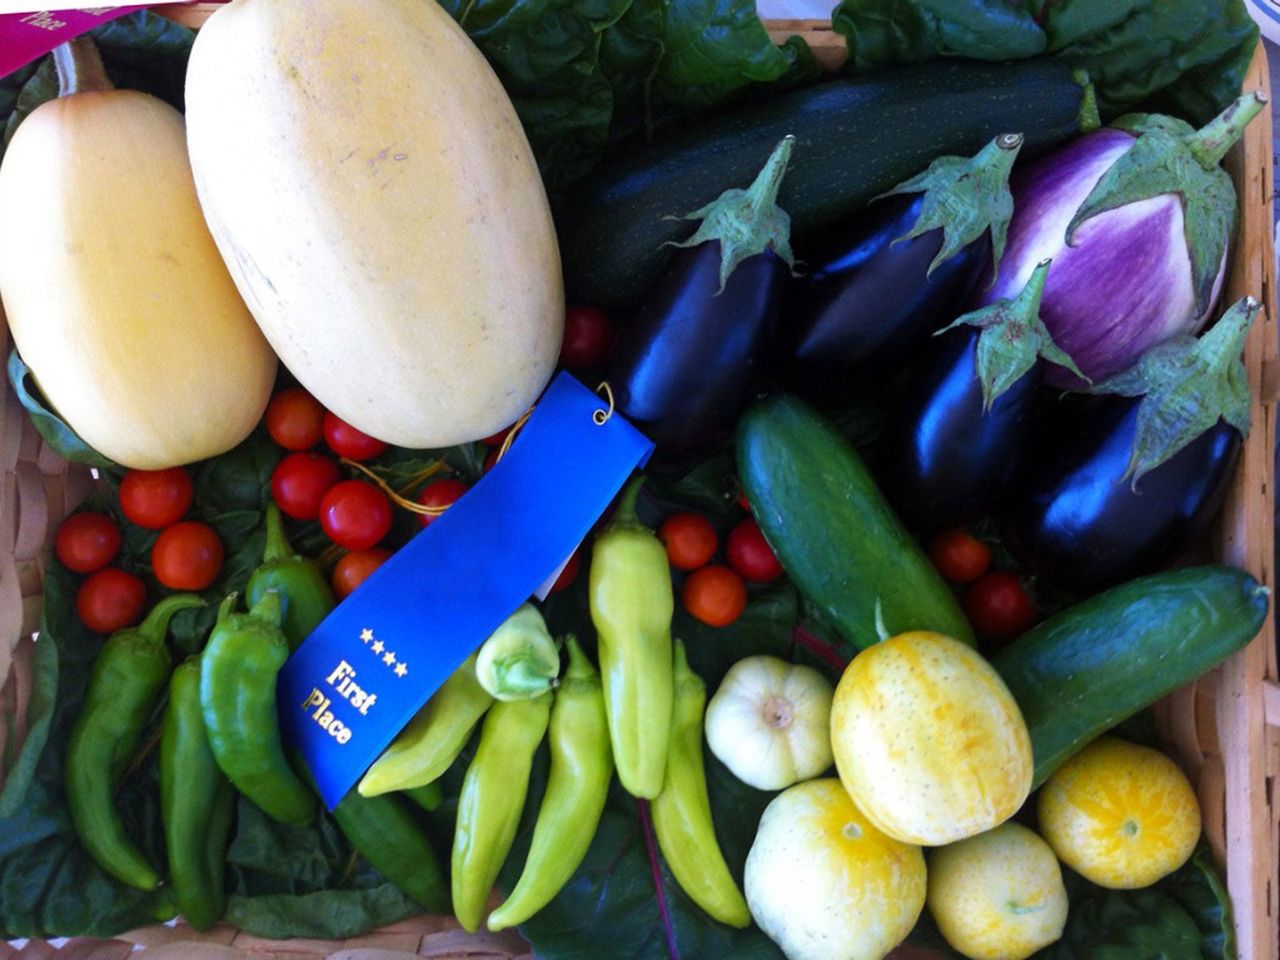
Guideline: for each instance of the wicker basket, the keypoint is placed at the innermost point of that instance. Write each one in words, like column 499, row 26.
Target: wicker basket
column 1224, row 729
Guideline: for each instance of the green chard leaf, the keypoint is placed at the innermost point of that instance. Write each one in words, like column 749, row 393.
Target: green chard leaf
column 56, row 431
column 1186, row 57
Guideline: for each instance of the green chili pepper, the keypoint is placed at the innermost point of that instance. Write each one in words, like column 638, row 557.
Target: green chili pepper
column 491, row 801
column 303, row 589
column 519, row 661
column 238, row 696
column 429, row 796
column 682, row 812
column 386, row 834
column 128, row 678
column 197, row 804
column 430, row 743
column 631, row 607
column 581, row 767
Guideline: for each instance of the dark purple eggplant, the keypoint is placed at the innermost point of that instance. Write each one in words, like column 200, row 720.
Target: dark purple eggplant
column 1119, row 486
column 968, row 411
column 880, row 284
column 701, row 345
column 1074, row 520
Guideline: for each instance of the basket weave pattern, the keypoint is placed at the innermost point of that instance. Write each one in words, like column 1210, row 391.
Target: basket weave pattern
column 1224, row 729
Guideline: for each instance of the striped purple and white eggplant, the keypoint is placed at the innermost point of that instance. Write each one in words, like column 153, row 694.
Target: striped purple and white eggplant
column 1137, row 218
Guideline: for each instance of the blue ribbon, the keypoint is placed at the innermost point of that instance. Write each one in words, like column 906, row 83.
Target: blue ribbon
column 363, row 673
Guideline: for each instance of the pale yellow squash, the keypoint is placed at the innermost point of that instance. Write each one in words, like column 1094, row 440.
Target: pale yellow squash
column 114, row 291
column 374, row 195
column 928, row 740
column 825, row 884
column 1121, row 815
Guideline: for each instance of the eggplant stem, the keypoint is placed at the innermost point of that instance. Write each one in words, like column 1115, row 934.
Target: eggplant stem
column 80, row 68
column 1211, row 142
column 764, row 189
column 1224, row 342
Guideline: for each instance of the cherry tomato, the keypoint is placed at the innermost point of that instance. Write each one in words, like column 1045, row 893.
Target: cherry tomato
column 187, row 556
column 588, row 334
column 440, row 493
column 490, row 460
column 743, row 502
column 346, row 441
column 156, row 498
column 300, row 481
column 110, row 600
column 749, row 554
column 86, row 542
column 959, row 556
column 690, row 538
column 568, row 574
column 355, row 514
column 715, row 595
column 354, row 568
column 295, row 419
column 998, row 606
column 495, row 440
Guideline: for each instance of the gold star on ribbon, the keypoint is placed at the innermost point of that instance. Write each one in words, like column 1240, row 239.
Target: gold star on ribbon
column 366, row 635
column 390, row 658
column 378, row 646
column 401, row 668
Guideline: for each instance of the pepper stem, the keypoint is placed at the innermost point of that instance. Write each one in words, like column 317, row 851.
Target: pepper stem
column 519, row 678
column 625, row 515
column 156, row 623
column 269, row 608
column 579, row 667
column 1088, row 118
column 278, row 547
column 80, row 68
column 748, row 222
column 1211, row 142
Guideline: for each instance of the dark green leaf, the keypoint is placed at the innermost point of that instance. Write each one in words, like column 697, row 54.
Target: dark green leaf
column 41, row 85
column 881, row 34
column 713, row 48
column 20, row 769
column 48, row 424
column 326, row 914
column 1202, row 893
column 1186, row 57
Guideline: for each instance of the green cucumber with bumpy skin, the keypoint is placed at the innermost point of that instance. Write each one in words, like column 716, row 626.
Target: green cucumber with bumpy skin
column 855, row 138
column 834, row 533
column 1084, row 670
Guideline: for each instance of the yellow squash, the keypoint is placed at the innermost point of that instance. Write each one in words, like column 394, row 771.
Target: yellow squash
column 928, row 740
column 113, row 288
column 374, row 195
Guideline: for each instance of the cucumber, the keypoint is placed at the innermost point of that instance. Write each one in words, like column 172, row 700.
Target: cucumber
column 832, row 530
column 856, row 137
column 1081, row 672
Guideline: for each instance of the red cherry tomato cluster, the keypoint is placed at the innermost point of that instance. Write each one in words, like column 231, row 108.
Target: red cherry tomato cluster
column 995, row 601
column 588, row 336
column 307, row 484
column 716, row 593
column 187, row 554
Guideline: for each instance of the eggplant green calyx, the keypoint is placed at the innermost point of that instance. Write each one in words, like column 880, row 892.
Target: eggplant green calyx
column 748, row 222
column 1013, row 338
column 1170, row 156
column 519, row 661
column 964, row 196
column 1187, row 385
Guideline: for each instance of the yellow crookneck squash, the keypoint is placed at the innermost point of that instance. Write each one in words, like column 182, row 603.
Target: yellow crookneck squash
column 113, row 289
column 375, row 197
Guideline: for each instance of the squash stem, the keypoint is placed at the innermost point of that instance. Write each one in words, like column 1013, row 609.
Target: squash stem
column 80, row 68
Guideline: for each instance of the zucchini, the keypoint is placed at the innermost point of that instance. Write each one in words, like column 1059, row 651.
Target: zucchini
column 1084, row 670
column 856, row 137
column 832, row 530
